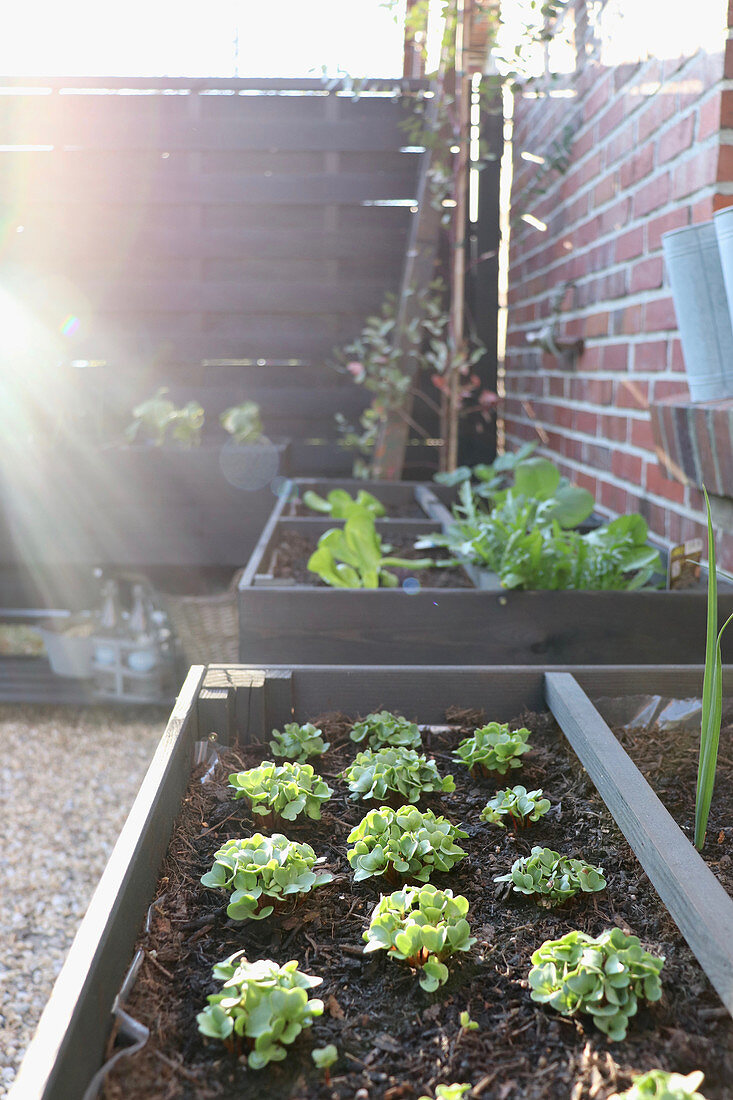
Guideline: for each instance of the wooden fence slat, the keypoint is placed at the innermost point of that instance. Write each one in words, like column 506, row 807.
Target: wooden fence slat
column 699, row 905
column 66, row 187
column 137, row 130
column 49, row 237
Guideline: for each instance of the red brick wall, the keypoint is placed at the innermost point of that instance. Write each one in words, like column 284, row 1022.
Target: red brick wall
column 651, row 149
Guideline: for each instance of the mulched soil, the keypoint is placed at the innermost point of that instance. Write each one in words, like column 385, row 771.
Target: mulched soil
column 395, row 1041
column 291, row 556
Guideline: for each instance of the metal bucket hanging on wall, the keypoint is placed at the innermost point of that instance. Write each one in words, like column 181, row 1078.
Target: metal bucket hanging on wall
column 701, row 304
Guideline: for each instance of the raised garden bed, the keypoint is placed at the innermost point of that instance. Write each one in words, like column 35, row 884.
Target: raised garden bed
column 393, row 1039
column 281, row 622
column 162, row 507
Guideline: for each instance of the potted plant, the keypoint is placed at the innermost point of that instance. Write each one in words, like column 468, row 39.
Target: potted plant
column 504, row 983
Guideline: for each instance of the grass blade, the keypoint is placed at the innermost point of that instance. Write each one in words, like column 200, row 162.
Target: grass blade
column 712, row 696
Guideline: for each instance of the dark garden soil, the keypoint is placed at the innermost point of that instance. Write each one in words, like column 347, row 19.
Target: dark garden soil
column 290, row 560
column 669, row 762
column 395, row 1041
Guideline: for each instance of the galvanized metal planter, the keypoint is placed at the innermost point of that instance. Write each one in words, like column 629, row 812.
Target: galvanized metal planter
column 299, row 624
column 236, row 702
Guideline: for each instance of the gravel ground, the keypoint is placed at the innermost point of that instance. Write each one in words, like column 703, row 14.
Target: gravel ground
column 68, row 776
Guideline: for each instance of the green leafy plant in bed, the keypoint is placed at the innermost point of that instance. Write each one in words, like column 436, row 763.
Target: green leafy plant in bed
column 264, row 1003
column 382, row 774
column 526, row 535
column 658, row 1084
column 285, row 790
column 604, row 976
column 712, row 697
column 157, row 417
column 297, row 742
column 552, row 878
column 404, row 843
column 243, row 423
column 262, row 870
column 493, row 748
column 423, row 926
column 517, row 804
column 353, row 556
column 341, row 505
column 455, row 1091
column 384, row 728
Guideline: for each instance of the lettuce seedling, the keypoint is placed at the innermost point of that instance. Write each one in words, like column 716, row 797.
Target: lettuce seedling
column 384, row 728
column 387, row 772
column 493, row 748
column 324, row 1058
column 243, row 423
column 518, row 804
column 298, row 742
column 423, row 926
column 282, row 789
column 403, row 843
column 341, row 505
column 658, row 1084
column 604, row 977
column 552, row 877
column 467, row 1024
column 449, row 1092
column 263, row 1002
column 260, row 869
column 157, row 415
column 353, row 556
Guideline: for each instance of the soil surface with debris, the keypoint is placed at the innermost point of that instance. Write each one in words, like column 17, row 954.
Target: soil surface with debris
column 290, row 560
column 395, row 1041
column 82, row 767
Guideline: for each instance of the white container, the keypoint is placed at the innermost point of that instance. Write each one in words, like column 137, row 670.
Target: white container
column 701, row 304
column 69, row 646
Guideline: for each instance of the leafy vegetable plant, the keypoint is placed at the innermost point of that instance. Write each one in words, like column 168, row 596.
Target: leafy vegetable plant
column 157, row 416
column 604, row 977
column 552, row 877
column 263, row 869
column 403, row 843
column 712, row 697
column 518, row 804
column 286, row 790
column 341, row 505
column 384, row 728
column 380, row 774
column 263, row 1002
column 422, row 925
column 455, row 1091
column 493, row 748
column 658, row 1084
column 243, row 422
column 528, row 542
column 353, row 556
column 298, row 742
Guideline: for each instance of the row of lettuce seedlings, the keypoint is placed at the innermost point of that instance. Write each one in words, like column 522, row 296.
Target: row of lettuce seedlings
column 269, row 1005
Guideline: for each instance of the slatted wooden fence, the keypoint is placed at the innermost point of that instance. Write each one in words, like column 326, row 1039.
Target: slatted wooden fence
column 219, row 237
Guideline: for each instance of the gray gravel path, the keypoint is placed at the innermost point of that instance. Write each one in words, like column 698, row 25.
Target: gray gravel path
column 67, row 780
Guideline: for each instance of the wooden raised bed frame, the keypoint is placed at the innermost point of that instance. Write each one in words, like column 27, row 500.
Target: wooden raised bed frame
column 236, row 702
column 300, row 624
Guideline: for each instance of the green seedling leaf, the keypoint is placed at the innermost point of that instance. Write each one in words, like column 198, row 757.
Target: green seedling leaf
column 265, row 1002
column 569, row 974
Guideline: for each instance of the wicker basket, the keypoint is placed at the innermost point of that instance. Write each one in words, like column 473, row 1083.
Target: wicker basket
column 207, row 627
